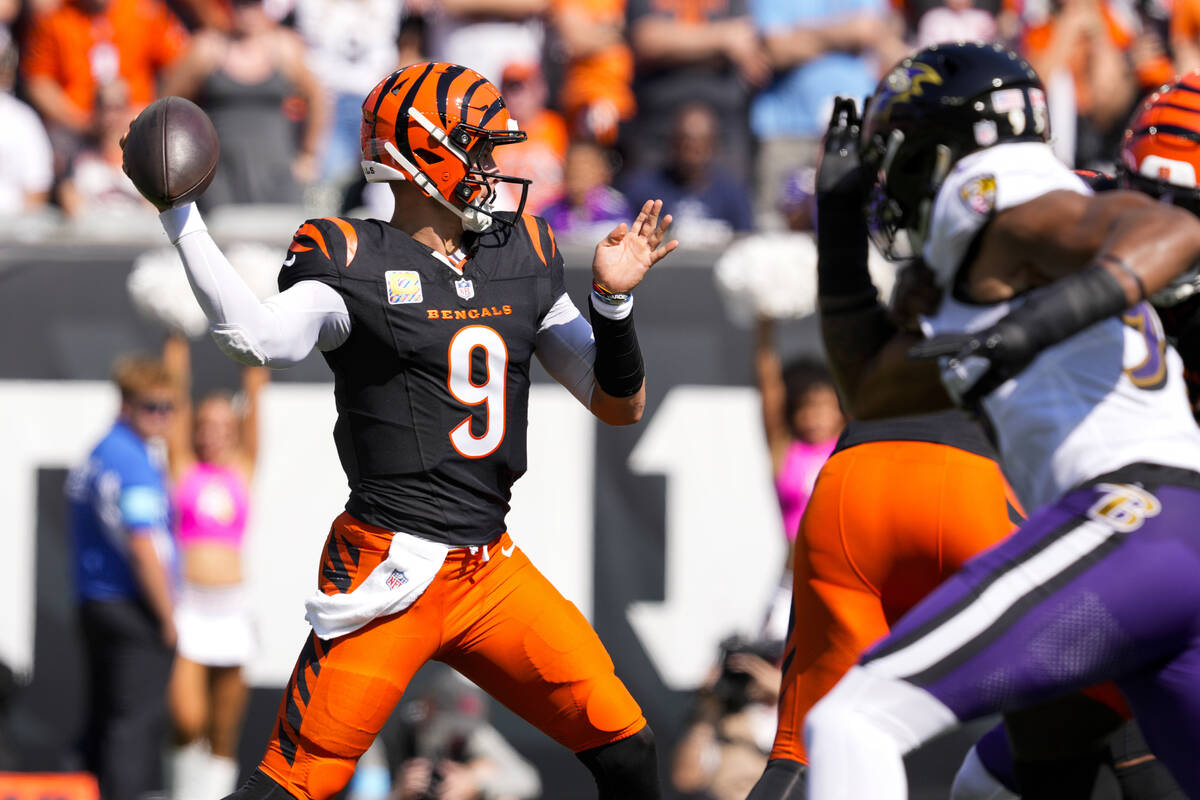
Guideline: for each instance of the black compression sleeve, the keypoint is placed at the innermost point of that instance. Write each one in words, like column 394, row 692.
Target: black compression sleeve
column 618, row 366
column 1064, row 309
column 842, row 277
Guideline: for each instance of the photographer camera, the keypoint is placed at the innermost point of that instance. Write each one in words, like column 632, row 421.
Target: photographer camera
column 441, row 747
column 725, row 747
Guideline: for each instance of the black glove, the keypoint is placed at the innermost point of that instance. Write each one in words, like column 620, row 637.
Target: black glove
column 839, row 174
column 978, row 362
column 841, row 227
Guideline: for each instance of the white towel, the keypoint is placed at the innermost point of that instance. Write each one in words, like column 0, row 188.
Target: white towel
column 393, row 586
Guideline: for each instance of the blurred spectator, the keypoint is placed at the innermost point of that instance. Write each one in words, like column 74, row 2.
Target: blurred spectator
column 802, row 418
column 487, row 35
column 589, row 207
column 1185, row 34
column 1079, row 48
column 955, row 21
column 212, row 456
column 694, row 51
column 81, row 45
column 214, row 14
column 724, row 748
column 243, row 80
column 9, row 11
column 351, row 45
column 95, row 182
column 708, row 202
column 539, row 158
column 1152, row 51
column 817, row 50
column 440, row 746
column 26, row 162
column 124, row 576
column 597, row 90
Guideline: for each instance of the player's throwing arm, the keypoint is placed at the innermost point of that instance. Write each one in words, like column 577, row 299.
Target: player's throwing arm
column 171, row 154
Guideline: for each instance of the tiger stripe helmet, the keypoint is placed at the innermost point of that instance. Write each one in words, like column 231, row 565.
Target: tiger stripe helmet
column 1160, row 152
column 435, row 124
column 1160, row 155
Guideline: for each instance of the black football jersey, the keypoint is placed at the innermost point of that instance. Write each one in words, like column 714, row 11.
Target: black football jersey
column 432, row 384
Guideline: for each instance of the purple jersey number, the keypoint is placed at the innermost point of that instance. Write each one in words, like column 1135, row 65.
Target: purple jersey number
column 1151, row 373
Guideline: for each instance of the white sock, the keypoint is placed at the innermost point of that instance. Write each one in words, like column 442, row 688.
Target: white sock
column 189, row 767
column 975, row 782
column 222, row 776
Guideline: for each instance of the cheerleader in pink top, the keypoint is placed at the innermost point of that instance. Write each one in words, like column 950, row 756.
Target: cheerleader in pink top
column 212, row 456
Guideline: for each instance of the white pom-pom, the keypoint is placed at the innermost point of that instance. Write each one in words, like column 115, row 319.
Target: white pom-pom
column 159, row 289
column 774, row 275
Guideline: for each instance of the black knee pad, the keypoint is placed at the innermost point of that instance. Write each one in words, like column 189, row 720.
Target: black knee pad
column 260, row 786
column 783, row 779
column 626, row 769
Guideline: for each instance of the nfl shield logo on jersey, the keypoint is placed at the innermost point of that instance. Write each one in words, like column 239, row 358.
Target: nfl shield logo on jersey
column 396, row 579
column 465, row 289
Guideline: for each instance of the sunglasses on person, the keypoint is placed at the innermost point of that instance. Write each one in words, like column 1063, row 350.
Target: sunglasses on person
column 155, row 406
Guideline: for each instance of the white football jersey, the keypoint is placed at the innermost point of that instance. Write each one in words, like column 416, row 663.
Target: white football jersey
column 1109, row 396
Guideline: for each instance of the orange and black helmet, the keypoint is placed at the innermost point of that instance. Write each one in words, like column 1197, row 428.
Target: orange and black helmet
column 435, row 124
column 1160, row 153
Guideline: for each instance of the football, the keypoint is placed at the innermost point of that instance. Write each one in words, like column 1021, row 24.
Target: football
column 171, row 152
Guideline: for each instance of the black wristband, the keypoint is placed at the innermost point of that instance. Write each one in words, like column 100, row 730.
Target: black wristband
column 618, row 366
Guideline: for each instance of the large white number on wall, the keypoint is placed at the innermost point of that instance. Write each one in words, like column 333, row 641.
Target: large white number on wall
column 725, row 544
column 467, row 392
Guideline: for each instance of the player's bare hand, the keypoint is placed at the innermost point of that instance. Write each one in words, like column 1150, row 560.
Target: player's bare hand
column 629, row 251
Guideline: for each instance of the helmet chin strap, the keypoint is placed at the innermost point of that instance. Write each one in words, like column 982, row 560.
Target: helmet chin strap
column 476, row 219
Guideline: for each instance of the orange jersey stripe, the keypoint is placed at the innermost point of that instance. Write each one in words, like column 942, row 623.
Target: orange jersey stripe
column 351, row 237
column 534, row 236
column 314, row 233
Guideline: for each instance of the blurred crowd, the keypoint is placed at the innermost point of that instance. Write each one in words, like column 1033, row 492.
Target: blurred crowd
column 710, row 104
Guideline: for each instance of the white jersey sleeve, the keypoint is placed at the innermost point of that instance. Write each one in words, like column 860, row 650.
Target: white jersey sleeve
column 566, row 348
column 277, row 332
column 982, row 184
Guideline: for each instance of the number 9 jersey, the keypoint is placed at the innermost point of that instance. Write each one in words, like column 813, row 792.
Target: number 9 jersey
column 432, row 384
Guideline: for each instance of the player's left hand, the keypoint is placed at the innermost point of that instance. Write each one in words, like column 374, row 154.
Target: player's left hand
column 629, row 251
column 977, row 363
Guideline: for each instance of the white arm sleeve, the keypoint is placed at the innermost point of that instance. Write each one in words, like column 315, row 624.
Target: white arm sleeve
column 567, row 350
column 277, row 332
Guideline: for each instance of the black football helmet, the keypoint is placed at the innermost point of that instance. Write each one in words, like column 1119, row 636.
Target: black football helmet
column 930, row 110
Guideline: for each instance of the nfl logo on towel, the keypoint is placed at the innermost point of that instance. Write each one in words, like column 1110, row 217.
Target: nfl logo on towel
column 396, row 579
column 465, row 289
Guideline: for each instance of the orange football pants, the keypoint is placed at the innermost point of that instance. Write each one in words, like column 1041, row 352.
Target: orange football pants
column 495, row 619
column 887, row 522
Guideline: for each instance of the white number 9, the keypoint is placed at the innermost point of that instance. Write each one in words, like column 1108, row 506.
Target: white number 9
column 491, row 391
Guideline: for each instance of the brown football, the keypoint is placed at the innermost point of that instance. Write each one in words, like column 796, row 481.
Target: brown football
column 171, row 152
